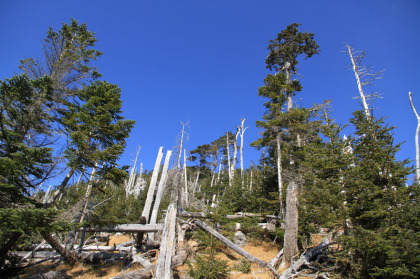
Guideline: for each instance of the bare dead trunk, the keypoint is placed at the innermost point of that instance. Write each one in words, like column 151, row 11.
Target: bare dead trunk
column 292, row 217
column 164, row 263
column 60, row 188
column 152, row 187
column 161, row 187
column 235, row 153
column 243, row 129
column 356, row 69
column 279, row 173
column 416, row 138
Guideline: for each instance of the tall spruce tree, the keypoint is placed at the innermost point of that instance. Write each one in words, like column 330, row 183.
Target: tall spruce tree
column 281, row 123
column 377, row 197
column 26, row 157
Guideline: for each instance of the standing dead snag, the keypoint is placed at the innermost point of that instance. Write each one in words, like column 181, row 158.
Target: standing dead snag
column 416, row 138
column 167, row 246
column 152, row 187
column 292, row 217
column 160, row 189
column 243, row 129
column 364, row 77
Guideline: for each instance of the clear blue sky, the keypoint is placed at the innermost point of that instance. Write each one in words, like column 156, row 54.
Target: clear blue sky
column 203, row 61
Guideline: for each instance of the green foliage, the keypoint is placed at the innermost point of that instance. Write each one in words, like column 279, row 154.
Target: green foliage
column 289, row 44
column 377, row 198
column 243, row 266
column 208, row 267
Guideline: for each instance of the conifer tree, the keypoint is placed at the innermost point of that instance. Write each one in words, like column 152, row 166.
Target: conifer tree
column 376, row 193
column 281, row 123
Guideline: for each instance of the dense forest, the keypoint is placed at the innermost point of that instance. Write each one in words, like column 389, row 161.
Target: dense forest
column 61, row 120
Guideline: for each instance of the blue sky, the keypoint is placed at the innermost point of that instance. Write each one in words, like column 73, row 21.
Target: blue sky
column 203, row 61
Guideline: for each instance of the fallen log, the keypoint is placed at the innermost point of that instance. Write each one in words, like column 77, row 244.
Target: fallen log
column 230, row 216
column 59, row 274
column 235, row 247
column 37, row 255
column 275, row 261
column 127, row 228
column 309, row 257
column 101, row 256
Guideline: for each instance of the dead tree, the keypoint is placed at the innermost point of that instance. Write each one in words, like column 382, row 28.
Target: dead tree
column 243, row 129
column 235, row 153
column 364, row 77
column 416, row 139
column 167, row 247
column 161, row 187
column 292, row 217
column 152, row 187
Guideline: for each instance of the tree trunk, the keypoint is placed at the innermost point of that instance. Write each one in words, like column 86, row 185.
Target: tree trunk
column 416, row 139
column 279, row 173
column 235, row 153
column 152, row 187
column 291, row 232
column 60, row 188
column 65, row 253
column 164, row 263
column 160, row 189
column 356, row 69
column 9, row 245
column 241, row 149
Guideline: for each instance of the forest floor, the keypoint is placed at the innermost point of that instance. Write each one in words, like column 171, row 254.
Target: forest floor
column 261, row 249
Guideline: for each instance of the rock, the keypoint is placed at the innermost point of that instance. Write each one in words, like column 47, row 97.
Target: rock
column 239, row 238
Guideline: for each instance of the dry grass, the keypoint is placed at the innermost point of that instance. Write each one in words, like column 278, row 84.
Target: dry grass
column 262, row 250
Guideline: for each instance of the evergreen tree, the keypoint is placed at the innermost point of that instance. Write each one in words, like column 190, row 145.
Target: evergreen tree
column 282, row 125
column 377, row 197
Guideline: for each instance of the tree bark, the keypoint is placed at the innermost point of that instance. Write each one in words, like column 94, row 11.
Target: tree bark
column 291, row 231
column 65, row 253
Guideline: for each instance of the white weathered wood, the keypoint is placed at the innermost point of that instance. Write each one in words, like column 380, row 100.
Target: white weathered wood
column 292, row 220
column 275, row 261
column 416, row 138
column 279, row 172
column 127, row 228
column 229, row 243
column 161, row 188
column 47, row 194
column 235, row 153
column 185, row 199
column 243, row 129
column 164, row 263
column 152, row 187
